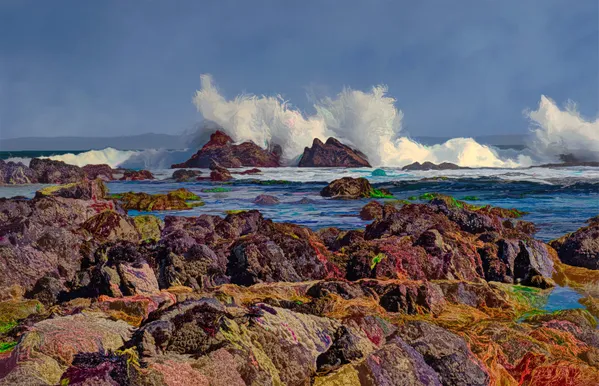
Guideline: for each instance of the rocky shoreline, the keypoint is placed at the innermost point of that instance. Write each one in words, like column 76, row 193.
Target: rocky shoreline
column 440, row 293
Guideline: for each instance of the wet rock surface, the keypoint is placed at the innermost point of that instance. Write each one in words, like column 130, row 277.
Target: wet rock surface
column 349, row 188
column 221, row 149
column 332, row 153
column 427, row 294
column 580, row 248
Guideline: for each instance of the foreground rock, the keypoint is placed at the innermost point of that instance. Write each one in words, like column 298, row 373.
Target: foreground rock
column 221, row 149
column 581, row 248
column 431, row 166
column 349, row 188
column 88, row 297
column 219, row 173
column 332, row 154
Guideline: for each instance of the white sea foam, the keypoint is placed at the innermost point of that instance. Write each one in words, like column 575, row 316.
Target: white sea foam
column 556, row 132
column 366, row 120
column 110, row 156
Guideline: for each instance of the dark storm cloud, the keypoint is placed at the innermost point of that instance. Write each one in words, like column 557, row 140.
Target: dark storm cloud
column 455, row 67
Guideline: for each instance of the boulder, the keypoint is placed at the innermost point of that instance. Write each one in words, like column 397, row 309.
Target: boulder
column 332, row 154
column 221, row 149
column 352, row 189
column 219, row 172
column 83, row 190
column 101, row 171
column 185, row 175
column 580, row 248
column 372, row 211
column 137, row 175
column 447, row 353
column 15, row 173
column 55, row 172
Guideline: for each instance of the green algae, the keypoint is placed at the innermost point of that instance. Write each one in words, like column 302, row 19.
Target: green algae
column 470, row 198
column 7, row 346
column 7, row 326
column 148, row 227
column 216, row 190
column 376, row 193
column 377, row 259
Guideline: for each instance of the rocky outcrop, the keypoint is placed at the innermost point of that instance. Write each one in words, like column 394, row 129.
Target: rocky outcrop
column 580, row 248
column 101, row 171
column 431, row 166
column 186, row 175
column 332, row 153
column 15, row 173
column 90, row 295
column 221, row 149
column 55, row 172
column 349, row 188
column 219, row 173
column 137, row 175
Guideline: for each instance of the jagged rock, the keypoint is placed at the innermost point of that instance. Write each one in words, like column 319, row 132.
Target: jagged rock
column 372, row 211
column 396, row 364
column 580, row 248
column 219, row 173
column 352, row 188
column 101, row 171
column 221, row 149
column 332, row 154
column 185, row 175
column 137, row 175
column 111, row 226
column 15, row 173
column 55, row 172
column 431, row 166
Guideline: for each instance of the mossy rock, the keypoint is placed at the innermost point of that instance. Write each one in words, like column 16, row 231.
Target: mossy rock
column 179, row 199
column 148, row 226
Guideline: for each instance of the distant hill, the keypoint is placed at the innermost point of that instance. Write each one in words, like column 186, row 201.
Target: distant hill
column 132, row 142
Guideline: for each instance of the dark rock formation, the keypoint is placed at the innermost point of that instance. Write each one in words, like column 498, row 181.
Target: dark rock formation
column 219, row 172
column 353, row 188
column 55, row 172
column 446, row 352
column 221, row 149
column 185, row 175
column 431, row 166
column 580, row 248
column 137, row 175
column 332, row 154
column 102, row 171
column 15, row 173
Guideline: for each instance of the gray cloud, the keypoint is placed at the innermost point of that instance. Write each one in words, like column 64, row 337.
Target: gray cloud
column 456, row 68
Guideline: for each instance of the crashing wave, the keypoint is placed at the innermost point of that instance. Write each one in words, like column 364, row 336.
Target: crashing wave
column 368, row 121
column 561, row 133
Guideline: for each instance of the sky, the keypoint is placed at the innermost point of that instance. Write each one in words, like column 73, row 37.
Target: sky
column 456, row 68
